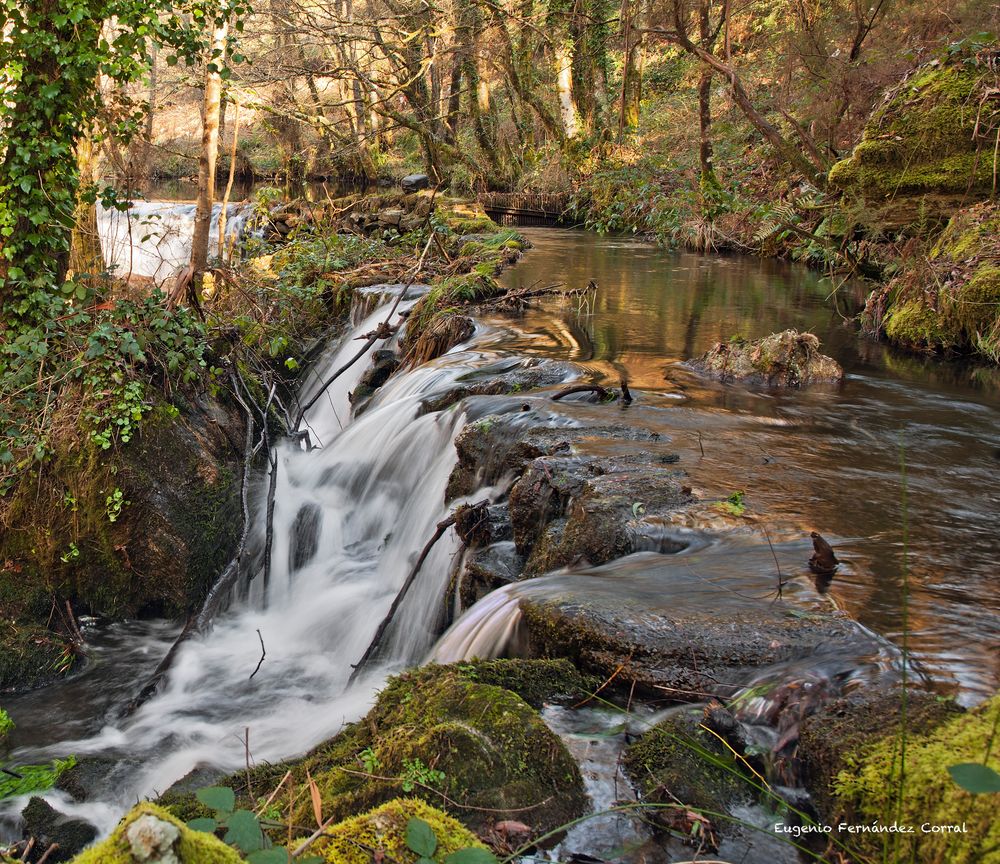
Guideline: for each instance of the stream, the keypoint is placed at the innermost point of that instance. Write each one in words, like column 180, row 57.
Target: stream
column 352, row 515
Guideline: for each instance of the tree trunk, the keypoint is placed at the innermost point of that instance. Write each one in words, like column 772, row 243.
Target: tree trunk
column 86, row 259
column 705, row 150
column 563, row 52
column 628, row 119
column 209, row 148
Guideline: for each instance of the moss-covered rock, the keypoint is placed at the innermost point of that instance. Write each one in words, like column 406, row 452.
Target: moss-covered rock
column 863, row 783
column 786, row 359
column 441, row 734
column 189, row 847
column 535, row 681
column 928, row 147
column 950, row 299
column 356, row 840
column 836, row 737
column 30, row 656
column 680, row 761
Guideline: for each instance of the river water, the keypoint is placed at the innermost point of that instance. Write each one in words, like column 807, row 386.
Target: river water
column 352, row 515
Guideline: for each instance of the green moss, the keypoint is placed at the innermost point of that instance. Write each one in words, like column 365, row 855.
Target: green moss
column 535, row 681
column 383, row 829
column 870, row 787
column 493, row 749
column 193, row 847
column 679, row 761
column 915, row 324
column 30, row 656
column 933, row 136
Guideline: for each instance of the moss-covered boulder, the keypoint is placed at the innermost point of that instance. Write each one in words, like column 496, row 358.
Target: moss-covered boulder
column 149, row 833
column 950, row 300
column 358, row 840
column 854, row 752
column 928, row 148
column 440, row 733
column 786, row 359
column 679, row 761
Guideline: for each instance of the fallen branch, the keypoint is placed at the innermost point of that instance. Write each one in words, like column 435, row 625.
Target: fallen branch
column 602, row 392
column 373, row 646
column 263, row 654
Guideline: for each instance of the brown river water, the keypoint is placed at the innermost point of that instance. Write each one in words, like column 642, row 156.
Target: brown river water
column 831, row 459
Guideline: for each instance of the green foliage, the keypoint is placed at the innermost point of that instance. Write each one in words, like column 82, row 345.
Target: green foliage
column 107, row 356
column 421, row 840
column 6, row 724
column 415, row 773
column 33, row 778
column 243, row 830
column 734, row 504
column 975, row 778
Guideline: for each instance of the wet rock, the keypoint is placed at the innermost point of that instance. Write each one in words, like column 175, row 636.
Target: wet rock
column 485, row 570
column 853, row 752
column 683, row 650
column 48, row 826
column 786, row 359
column 837, row 738
column 509, row 377
column 391, row 216
column 151, row 835
column 85, row 780
column 415, row 182
column 495, row 445
column 384, row 364
column 603, row 513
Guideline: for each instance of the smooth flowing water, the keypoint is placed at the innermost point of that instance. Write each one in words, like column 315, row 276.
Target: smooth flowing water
column 352, row 515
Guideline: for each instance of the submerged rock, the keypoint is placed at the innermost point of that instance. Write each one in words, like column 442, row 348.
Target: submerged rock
column 150, row 835
column 786, row 359
column 679, row 762
column 682, row 628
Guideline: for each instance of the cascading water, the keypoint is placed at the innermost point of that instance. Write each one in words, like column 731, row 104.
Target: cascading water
column 153, row 238
column 350, row 517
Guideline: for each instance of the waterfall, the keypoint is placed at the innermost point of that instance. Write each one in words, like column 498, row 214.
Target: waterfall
column 351, row 515
column 153, row 238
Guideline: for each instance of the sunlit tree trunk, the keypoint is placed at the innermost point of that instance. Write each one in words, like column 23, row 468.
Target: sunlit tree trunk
column 563, row 52
column 209, row 147
column 85, row 257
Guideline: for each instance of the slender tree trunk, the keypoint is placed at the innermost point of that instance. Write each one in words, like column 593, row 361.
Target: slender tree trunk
column 209, row 149
column 705, row 149
column 564, row 85
column 628, row 119
column 85, row 257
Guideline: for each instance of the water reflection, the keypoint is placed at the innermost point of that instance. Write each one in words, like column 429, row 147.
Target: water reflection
column 833, row 459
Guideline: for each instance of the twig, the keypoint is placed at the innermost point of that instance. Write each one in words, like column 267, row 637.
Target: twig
column 442, row 526
column 274, row 794
column 53, row 848
column 246, row 738
column 263, row 654
column 602, row 392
